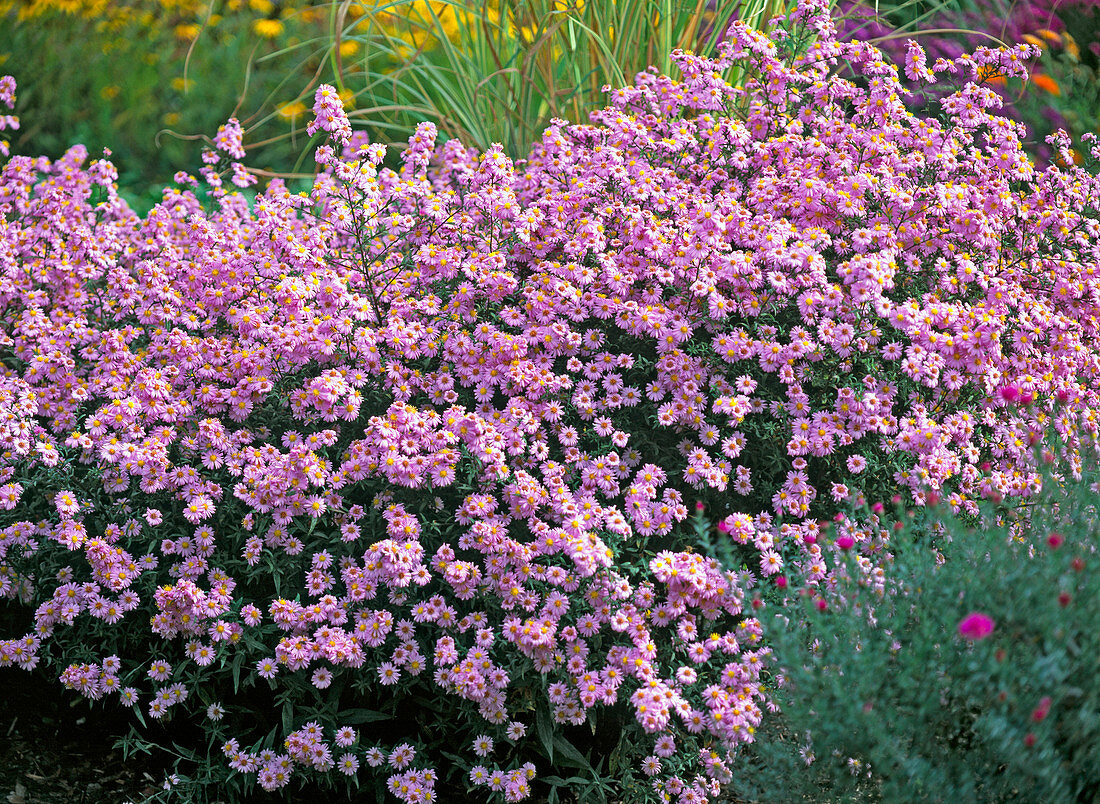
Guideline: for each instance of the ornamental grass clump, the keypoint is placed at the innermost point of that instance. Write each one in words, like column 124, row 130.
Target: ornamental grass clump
column 388, row 482
column 497, row 72
column 969, row 674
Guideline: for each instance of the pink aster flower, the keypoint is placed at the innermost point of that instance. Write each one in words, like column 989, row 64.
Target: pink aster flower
column 665, row 746
column 483, row 745
column 251, row 615
column 516, row 730
column 402, row 756
column 345, row 736
column 66, row 503
column 348, row 764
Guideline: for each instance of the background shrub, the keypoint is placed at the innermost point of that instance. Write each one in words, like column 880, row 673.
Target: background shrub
column 967, row 673
column 157, row 75
column 499, row 72
column 153, row 77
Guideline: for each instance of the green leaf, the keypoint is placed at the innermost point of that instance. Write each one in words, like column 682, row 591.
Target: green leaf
column 557, row 781
column 570, row 756
column 288, row 717
column 545, row 728
column 238, row 662
column 459, row 762
column 616, row 756
column 354, row 717
column 598, row 792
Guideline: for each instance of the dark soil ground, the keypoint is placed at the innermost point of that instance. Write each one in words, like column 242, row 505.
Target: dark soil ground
column 54, row 749
column 54, row 753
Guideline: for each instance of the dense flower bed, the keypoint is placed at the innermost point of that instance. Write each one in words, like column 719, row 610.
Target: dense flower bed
column 420, row 447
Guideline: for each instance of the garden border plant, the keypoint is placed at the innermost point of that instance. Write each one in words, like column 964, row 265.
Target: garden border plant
column 421, row 445
column 964, row 670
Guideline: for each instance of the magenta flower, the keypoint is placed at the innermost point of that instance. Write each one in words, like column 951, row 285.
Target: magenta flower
column 976, row 626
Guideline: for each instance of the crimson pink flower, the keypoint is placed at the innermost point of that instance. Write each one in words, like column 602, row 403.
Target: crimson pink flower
column 976, row 626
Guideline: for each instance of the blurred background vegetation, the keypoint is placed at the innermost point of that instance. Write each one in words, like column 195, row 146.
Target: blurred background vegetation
column 1063, row 90
column 150, row 79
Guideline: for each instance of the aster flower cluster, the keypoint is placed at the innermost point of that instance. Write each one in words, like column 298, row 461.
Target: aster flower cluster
column 7, row 121
column 1012, row 24
column 1035, row 21
column 436, row 432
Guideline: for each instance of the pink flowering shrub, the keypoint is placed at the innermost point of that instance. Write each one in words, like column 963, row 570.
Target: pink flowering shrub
column 390, row 479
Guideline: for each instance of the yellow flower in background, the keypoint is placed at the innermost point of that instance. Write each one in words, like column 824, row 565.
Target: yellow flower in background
column 109, row 92
column 1050, row 36
column 188, row 31
column 181, row 84
column 291, row 111
column 262, row 6
column 348, row 47
column 564, row 6
column 268, row 29
column 347, row 97
column 67, row 6
column 1070, row 44
column 413, row 25
column 183, row 6
column 171, row 118
column 990, row 75
column 1031, row 39
column 36, row 8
